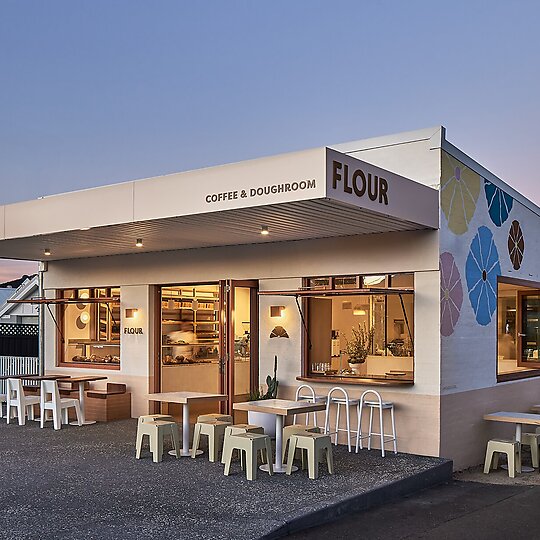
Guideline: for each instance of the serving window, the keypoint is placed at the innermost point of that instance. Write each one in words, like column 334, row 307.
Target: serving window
column 89, row 327
column 518, row 329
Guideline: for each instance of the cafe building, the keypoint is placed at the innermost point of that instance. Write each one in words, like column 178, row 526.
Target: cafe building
column 198, row 280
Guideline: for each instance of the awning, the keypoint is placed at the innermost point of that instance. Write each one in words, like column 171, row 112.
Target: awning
column 47, row 301
column 307, row 293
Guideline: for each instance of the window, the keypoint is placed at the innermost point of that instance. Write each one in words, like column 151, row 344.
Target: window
column 518, row 329
column 379, row 309
column 89, row 329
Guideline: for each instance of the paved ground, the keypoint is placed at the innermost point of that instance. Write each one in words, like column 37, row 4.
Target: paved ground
column 85, row 483
column 455, row 511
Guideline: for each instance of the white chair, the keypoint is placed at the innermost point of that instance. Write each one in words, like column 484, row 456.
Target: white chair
column 312, row 398
column 15, row 398
column 59, row 406
column 382, row 406
column 344, row 401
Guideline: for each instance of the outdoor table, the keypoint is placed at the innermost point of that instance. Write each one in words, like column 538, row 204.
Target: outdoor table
column 518, row 419
column 81, row 380
column 280, row 408
column 185, row 398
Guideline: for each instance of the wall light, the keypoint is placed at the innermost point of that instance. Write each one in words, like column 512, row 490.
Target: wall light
column 131, row 313
column 264, row 230
column 47, row 251
column 139, row 242
column 277, row 311
column 85, row 317
column 360, row 310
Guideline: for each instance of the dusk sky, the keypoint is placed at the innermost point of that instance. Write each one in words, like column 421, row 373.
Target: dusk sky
column 112, row 90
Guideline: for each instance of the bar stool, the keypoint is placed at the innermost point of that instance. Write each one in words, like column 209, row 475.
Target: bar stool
column 344, row 401
column 382, row 406
column 215, row 431
column 156, row 431
column 215, row 417
column 500, row 446
column 238, row 429
column 312, row 398
column 314, row 444
column 249, row 443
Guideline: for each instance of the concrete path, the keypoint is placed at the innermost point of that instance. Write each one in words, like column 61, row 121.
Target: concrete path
column 454, row 511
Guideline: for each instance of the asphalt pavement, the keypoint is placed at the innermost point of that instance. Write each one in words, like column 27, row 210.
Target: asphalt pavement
column 457, row 510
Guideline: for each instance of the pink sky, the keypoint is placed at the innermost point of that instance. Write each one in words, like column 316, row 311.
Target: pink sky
column 14, row 269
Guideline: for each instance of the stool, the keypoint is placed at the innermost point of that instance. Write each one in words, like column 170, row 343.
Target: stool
column 312, row 398
column 249, row 443
column 289, row 431
column 215, row 431
column 382, row 406
column 339, row 402
column 532, row 440
column 237, row 429
column 512, row 451
column 156, row 432
column 153, row 417
column 215, row 417
column 314, row 444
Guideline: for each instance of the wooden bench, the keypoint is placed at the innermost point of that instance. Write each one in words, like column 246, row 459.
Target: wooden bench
column 114, row 403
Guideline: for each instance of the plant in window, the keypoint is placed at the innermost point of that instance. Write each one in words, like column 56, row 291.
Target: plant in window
column 359, row 346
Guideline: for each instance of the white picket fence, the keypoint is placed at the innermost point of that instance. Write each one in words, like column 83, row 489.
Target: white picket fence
column 18, row 365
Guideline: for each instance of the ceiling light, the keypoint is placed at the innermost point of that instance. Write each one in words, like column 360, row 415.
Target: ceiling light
column 46, row 251
column 84, row 229
column 139, row 242
column 264, row 230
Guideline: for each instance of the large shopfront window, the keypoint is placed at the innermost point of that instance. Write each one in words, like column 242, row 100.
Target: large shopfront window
column 89, row 327
column 518, row 329
column 367, row 333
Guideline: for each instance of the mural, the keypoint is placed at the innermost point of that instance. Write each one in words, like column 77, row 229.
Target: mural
column 499, row 203
column 460, row 187
column 516, row 245
column 451, row 294
column 481, row 270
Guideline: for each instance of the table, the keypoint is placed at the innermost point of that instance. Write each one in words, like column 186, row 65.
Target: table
column 518, row 419
column 184, row 398
column 81, row 380
column 280, row 408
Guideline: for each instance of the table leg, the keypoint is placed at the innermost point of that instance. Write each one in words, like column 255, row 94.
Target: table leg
column 84, row 422
column 185, row 452
column 278, row 465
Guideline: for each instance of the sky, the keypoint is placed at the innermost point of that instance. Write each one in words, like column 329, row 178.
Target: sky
column 98, row 92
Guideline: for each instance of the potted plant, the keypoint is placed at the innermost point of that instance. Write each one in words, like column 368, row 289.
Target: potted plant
column 359, row 346
column 266, row 420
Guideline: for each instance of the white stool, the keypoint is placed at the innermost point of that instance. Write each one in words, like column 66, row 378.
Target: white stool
column 295, row 429
column 249, row 443
column 382, row 406
column 215, row 417
column 339, row 402
column 153, row 417
column 314, row 444
column 510, row 448
column 215, row 431
column 312, row 398
column 156, row 432
column 532, row 440
column 237, row 429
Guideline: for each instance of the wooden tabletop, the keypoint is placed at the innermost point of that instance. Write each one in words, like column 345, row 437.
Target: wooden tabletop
column 514, row 418
column 84, row 378
column 34, row 377
column 283, row 407
column 184, row 397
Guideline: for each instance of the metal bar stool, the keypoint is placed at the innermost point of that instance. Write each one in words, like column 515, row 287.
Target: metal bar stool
column 312, row 398
column 382, row 406
column 339, row 402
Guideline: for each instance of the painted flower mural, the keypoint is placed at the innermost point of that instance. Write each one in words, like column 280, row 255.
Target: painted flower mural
column 481, row 270
column 499, row 203
column 460, row 187
column 516, row 245
column 451, row 294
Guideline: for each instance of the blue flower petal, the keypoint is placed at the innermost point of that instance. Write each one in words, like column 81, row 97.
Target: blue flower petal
column 499, row 203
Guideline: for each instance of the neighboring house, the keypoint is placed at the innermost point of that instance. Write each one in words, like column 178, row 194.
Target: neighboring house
column 19, row 289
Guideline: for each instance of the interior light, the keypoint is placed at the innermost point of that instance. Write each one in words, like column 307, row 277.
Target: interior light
column 131, row 313
column 85, row 317
column 264, row 230
column 139, row 242
column 47, row 251
column 359, row 310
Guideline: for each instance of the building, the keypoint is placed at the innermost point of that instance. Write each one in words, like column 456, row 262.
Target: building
column 195, row 281
column 21, row 289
